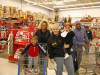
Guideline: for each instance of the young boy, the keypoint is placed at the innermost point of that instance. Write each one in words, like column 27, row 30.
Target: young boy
column 68, row 36
column 33, row 52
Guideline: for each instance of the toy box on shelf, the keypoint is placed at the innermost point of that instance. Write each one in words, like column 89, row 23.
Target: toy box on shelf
column 2, row 33
column 18, row 41
column 2, row 40
column 2, row 45
column 15, row 24
column 2, row 22
column 31, row 24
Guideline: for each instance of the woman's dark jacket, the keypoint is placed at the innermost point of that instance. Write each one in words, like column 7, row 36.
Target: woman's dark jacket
column 55, row 46
column 42, row 37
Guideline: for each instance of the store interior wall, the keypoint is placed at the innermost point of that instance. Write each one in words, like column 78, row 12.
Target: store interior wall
column 77, row 14
column 23, row 6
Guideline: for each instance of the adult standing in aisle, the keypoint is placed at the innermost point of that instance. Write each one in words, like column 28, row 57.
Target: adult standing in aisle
column 56, row 53
column 80, row 35
column 90, row 37
column 43, row 34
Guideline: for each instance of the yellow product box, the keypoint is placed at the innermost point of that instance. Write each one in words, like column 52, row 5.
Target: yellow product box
column 0, row 12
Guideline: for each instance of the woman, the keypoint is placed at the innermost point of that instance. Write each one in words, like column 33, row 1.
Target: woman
column 56, row 53
column 43, row 34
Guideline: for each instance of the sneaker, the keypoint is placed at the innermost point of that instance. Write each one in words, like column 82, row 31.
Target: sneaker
column 29, row 71
column 66, row 56
column 36, row 71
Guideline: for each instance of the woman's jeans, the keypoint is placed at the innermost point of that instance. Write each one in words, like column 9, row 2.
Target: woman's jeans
column 33, row 61
column 68, row 62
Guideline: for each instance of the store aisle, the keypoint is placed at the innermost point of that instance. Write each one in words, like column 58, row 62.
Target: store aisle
column 7, row 68
column 5, row 53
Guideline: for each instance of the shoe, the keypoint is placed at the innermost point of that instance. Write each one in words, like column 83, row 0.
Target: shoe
column 36, row 71
column 29, row 71
column 66, row 56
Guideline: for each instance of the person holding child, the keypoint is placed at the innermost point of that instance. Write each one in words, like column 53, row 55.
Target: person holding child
column 56, row 52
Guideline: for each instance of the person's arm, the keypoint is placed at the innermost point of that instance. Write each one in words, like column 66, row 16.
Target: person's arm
column 76, row 42
column 91, row 35
column 71, row 44
column 26, row 49
column 68, row 45
column 42, row 49
column 48, row 35
column 69, row 37
column 50, row 51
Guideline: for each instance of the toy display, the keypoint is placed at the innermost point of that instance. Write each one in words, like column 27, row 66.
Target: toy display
column 18, row 41
column 89, row 19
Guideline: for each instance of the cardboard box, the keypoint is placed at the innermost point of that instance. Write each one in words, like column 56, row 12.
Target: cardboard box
column 14, row 9
column 11, row 12
column 11, row 9
column 4, row 7
column 19, row 12
column 0, row 6
column 8, row 10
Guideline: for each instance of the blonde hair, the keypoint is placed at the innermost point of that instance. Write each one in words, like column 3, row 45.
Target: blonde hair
column 48, row 27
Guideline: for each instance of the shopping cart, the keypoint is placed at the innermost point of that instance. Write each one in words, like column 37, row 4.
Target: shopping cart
column 22, row 69
column 23, row 65
column 87, row 63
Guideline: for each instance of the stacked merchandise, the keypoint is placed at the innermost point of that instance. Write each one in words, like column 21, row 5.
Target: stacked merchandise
column 2, row 35
column 1, row 11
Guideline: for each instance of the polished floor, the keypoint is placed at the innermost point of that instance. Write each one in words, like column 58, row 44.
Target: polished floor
column 7, row 68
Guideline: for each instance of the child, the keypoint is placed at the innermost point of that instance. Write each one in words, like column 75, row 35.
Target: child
column 68, row 36
column 33, row 52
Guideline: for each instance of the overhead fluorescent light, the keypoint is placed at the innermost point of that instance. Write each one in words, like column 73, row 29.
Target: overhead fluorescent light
column 39, row 5
column 80, row 8
column 45, row 7
column 59, row 3
column 76, row 5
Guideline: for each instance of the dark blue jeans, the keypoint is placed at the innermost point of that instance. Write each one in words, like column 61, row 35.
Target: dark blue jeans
column 75, row 62
column 76, row 59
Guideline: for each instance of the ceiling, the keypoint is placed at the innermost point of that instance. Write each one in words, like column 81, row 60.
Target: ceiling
column 65, row 4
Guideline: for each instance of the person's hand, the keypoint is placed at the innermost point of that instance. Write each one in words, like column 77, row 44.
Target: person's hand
column 89, row 44
column 52, row 61
column 47, row 55
column 66, row 46
column 84, row 45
